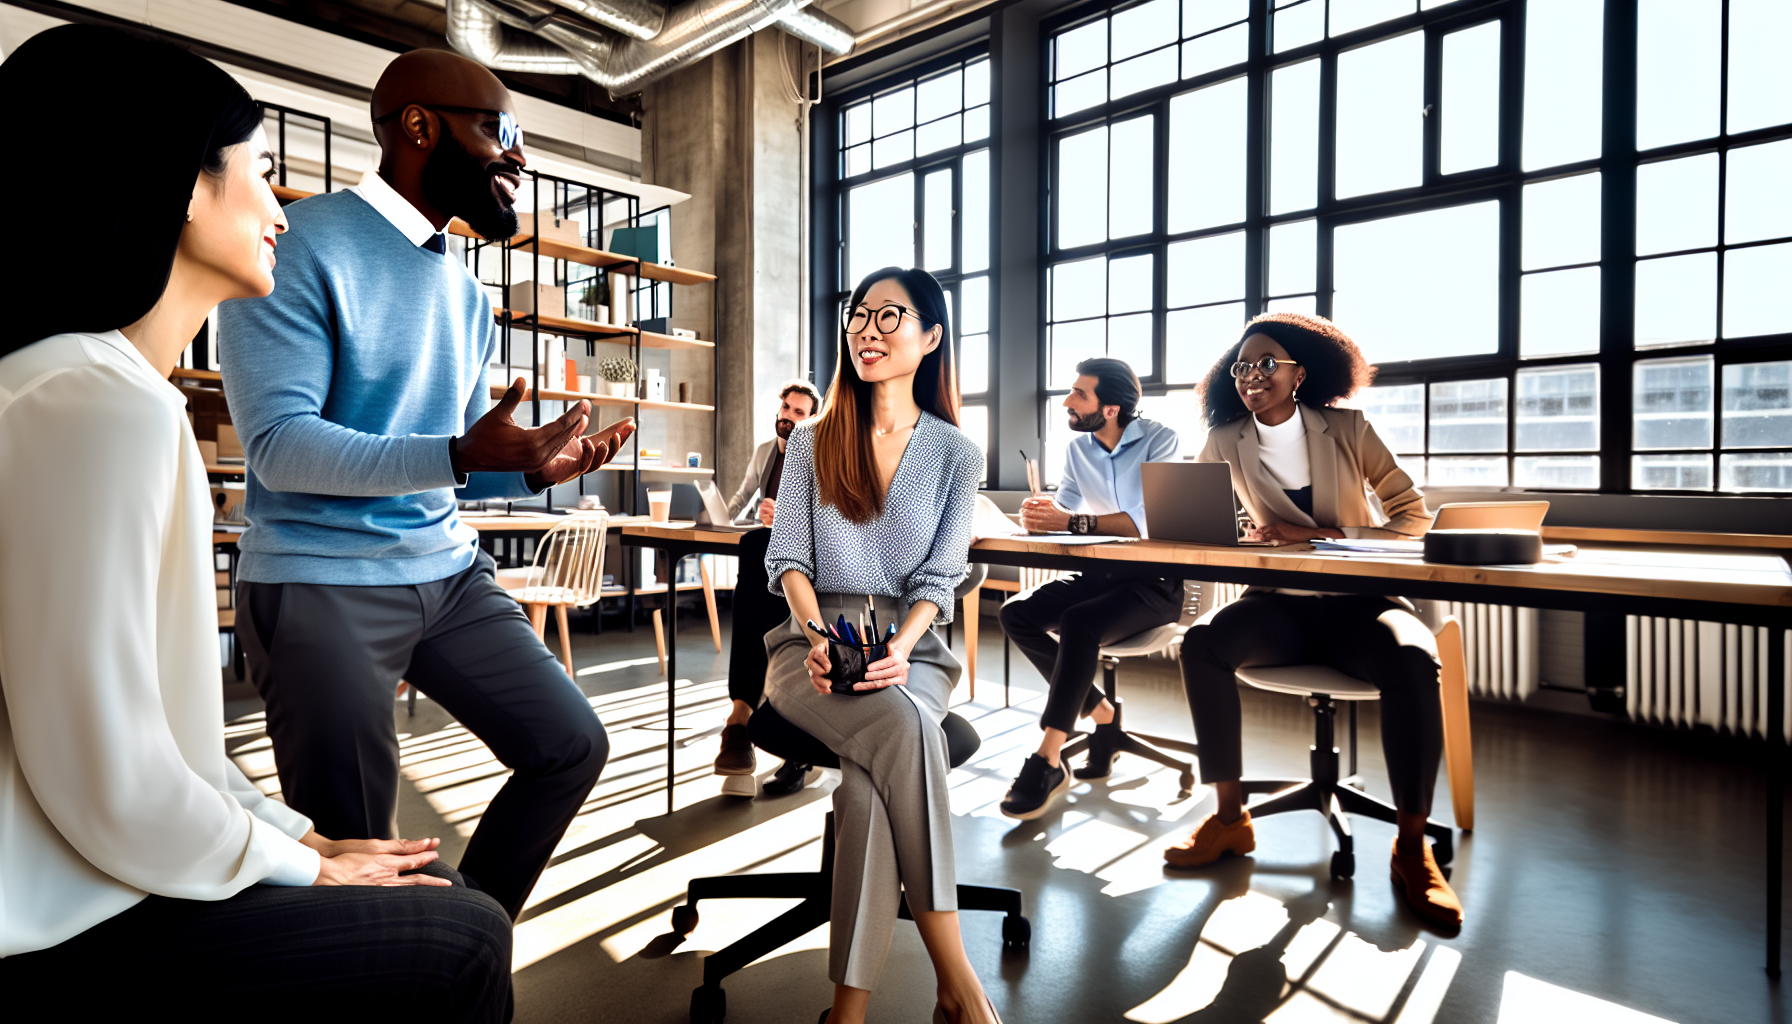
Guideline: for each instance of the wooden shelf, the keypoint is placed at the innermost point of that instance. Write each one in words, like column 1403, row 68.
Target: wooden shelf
column 185, row 374
column 562, row 324
column 641, row 403
column 674, row 275
column 554, row 248
column 674, row 470
column 571, row 252
column 216, row 469
column 618, row 335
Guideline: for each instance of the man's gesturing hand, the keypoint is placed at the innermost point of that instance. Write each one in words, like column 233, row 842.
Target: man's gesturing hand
column 495, row 444
column 582, row 455
column 550, row 453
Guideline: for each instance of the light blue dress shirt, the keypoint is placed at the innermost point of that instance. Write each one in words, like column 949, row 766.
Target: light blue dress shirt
column 1103, row 482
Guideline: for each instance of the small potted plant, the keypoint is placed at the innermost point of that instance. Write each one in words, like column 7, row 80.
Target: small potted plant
column 618, row 373
column 596, row 299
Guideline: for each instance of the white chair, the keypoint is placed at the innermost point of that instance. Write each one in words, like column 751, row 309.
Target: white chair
column 566, row 572
column 1156, row 640
column 1336, row 794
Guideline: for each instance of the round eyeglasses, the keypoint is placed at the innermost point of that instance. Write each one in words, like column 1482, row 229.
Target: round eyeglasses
column 510, row 134
column 889, row 317
column 1267, row 366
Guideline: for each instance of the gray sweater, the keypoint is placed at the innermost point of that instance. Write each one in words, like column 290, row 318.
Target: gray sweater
column 916, row 551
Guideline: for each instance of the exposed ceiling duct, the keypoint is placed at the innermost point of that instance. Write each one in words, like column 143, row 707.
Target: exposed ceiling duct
column 623, row 45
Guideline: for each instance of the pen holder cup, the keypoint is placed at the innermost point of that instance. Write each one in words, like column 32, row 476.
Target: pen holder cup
column 847, row 664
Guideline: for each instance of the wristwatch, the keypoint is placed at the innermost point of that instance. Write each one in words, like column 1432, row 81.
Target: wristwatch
column 1082, row 522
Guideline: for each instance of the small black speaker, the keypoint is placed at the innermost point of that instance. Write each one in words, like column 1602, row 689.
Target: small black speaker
column 1484, row 547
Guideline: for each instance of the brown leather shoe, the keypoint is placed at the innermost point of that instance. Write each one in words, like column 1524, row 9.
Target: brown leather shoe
column 1211, row 840
column 737, row 757
column 1427, row 892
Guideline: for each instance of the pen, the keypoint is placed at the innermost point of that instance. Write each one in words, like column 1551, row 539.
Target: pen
column 840, row 628
column 874, row 630
column 818, row 630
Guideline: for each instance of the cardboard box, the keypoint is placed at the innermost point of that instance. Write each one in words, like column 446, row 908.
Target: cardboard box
column 524, row 296
column 228, row 445
column 551, row 227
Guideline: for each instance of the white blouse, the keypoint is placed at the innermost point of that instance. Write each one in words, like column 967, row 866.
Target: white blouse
column 113, row 778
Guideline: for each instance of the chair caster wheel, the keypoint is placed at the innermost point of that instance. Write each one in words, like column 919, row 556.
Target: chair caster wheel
column 1186, row 784
column 684, row 921
column 1444, row 850
column 1017, row 932
column 708, row 1005
column 1343, row 864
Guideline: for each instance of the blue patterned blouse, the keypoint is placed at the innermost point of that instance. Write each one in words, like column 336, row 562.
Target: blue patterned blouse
column 916, row 551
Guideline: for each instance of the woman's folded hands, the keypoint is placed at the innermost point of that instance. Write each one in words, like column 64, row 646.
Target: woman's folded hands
column 373, row 861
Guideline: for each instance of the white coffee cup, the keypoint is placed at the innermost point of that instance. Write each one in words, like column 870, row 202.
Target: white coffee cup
column 659, row 506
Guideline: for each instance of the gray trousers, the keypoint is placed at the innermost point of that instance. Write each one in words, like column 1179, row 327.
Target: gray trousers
column 326, row 660
column 892, row 812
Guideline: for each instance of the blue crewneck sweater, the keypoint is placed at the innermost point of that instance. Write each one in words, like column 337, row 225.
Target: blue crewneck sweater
column 345, row 386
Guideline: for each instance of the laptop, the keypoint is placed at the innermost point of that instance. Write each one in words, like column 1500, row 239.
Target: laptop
column 1191, row 502
column 715, row 510
column 1491, row 515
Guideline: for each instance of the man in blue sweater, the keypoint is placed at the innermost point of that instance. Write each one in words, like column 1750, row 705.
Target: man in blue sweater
column 359, row 389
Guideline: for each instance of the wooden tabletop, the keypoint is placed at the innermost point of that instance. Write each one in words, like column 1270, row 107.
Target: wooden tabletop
column 517, row 523
column 1728, row 577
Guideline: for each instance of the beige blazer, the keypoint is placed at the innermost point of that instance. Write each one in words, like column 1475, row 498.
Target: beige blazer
column 1357, row 485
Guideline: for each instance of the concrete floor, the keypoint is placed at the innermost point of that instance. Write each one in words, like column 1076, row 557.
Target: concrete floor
column 1615, row 876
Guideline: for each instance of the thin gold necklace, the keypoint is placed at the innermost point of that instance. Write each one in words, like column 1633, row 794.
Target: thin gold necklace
column 888, row 433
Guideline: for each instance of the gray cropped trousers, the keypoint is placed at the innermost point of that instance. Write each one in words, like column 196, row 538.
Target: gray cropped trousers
column 892, row 812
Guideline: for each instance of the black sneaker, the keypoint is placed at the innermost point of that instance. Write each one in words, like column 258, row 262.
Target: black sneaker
column 736, row 756
column 1034, row 789
column 789, row 778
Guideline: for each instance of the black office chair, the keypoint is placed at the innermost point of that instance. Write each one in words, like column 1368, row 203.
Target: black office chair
column 775, row 735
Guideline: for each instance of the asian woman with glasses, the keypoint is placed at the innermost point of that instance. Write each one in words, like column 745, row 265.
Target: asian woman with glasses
column 1304, row 468
column 875, row 508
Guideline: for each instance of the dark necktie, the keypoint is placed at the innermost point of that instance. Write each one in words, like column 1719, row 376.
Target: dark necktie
column 437, row 243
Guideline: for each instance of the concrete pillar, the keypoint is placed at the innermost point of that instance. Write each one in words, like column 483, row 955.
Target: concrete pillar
column 725, row 131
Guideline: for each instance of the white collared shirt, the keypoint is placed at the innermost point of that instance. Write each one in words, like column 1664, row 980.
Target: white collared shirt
column 409, row 221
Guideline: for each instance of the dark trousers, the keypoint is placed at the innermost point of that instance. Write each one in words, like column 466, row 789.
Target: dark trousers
column 757, row 611
column 327, row 660
column 1086, row 611
column 271, row 953
column 1373, row 639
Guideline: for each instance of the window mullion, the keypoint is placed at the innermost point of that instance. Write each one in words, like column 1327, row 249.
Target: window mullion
column 1617, row 229
column 1256, row 178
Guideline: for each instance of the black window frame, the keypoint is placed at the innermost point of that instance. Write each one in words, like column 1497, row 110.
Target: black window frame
column 1617, row 353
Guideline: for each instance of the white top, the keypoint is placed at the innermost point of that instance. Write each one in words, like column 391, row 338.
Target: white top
column 386, row 201
column 113, row 778
column 1282, row 449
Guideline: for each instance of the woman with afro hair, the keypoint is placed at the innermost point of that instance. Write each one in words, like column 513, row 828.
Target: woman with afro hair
column 1304, row 468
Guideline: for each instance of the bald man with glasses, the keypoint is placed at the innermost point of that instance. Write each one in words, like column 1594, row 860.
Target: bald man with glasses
column 359, row 389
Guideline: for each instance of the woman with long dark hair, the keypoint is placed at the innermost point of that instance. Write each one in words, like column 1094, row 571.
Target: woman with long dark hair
column 1305, row 468
column 875, row 508
column 133, row 846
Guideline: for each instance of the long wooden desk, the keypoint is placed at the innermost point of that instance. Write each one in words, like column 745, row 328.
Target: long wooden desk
column 1713, row 584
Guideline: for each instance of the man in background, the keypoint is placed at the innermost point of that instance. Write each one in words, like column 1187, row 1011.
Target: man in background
column 757, row 610
column 1102, row 492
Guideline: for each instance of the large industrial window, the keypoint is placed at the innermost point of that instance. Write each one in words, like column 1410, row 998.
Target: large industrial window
column 1551, row 304
column 914, row 192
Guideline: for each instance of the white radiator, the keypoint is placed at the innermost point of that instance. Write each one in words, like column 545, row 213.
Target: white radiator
column 1680, row 672
column 1499, row 649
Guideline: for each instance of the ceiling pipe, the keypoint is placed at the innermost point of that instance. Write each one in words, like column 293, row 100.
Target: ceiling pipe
column 917, row 14
column 481, row 33
column 818, row 29
column 532, row 35
column 637, row 19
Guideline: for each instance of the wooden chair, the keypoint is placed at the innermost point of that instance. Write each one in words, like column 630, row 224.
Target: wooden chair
column 566, row 572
